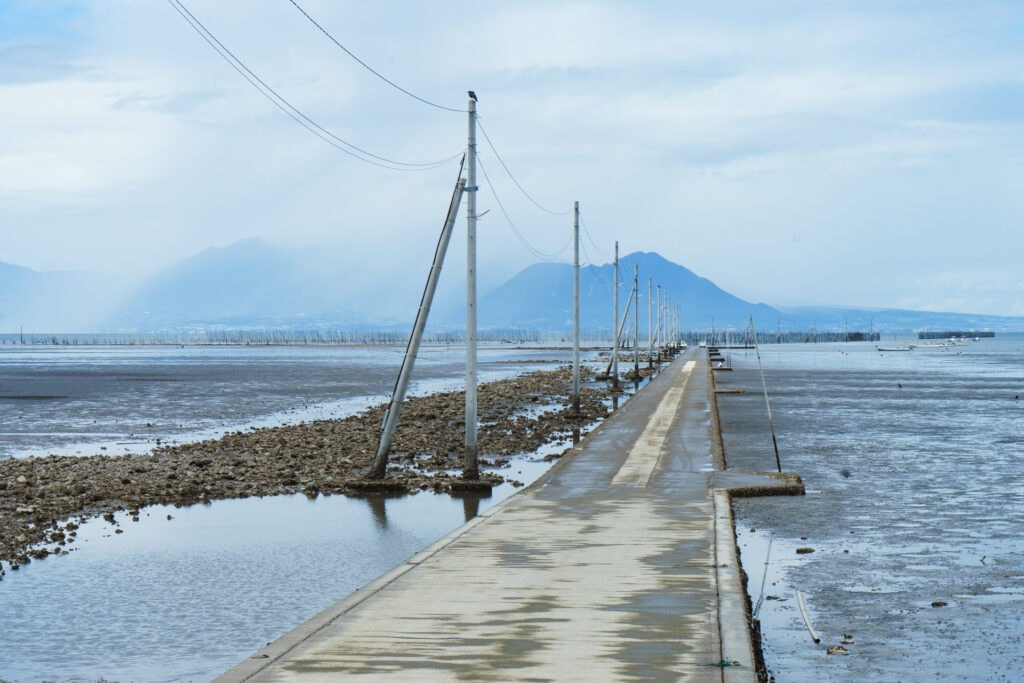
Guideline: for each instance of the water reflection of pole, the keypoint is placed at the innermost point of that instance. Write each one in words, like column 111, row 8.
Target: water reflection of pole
column 470, row 506
column 378, row 506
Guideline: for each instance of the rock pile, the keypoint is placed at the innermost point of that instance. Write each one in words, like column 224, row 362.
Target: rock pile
column 41, row 497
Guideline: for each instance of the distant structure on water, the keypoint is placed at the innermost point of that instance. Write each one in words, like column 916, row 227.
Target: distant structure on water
column 949, row 334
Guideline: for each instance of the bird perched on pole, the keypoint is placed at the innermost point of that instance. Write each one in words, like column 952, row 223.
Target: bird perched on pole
column 472, row 95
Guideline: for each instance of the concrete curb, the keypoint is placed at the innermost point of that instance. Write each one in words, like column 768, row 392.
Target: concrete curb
column 734, row 602
column 734, row 632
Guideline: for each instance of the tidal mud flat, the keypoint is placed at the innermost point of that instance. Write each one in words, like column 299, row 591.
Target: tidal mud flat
column 906, row 546
column 44, row 499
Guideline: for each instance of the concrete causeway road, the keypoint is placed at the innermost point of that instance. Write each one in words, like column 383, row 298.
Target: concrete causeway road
column 619, row 563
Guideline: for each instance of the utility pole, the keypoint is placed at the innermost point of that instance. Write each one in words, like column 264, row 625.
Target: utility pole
column 615, row 322
column 659, row 333
column 469, row 466
column 675, row 325
column 650, row 327
column 668, row 321
column 576, row 309
column 636, row 321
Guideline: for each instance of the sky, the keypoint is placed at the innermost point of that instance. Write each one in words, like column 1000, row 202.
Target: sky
column 863, row 153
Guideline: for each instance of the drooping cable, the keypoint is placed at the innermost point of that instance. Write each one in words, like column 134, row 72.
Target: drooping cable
column 586, row 231
column 367, row 66
column 586, row 256
column 289, row 109
column 543, row 256
column 521, row 189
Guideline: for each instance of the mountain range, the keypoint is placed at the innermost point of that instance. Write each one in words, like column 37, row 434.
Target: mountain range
column 251, row 284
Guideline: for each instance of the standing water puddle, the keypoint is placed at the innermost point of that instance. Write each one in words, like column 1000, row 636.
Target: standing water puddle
column 189, row 597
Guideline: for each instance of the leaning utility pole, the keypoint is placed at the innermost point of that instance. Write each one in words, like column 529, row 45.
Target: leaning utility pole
column 576, row 309
column 636, row 321
column 380, row 463
column 615, row 322
column 469, row 466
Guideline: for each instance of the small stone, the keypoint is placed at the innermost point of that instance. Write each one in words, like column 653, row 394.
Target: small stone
column 804, row 551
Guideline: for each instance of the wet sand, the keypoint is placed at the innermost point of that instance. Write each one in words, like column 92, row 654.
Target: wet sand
column 906, row 547
column 44, row 499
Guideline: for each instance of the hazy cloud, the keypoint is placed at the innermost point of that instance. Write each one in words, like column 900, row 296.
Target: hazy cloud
column 887, row 136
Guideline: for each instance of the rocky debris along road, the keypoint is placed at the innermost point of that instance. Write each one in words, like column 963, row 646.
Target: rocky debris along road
column 43, row 499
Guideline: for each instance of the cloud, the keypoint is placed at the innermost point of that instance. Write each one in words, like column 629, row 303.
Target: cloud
column 887, row 136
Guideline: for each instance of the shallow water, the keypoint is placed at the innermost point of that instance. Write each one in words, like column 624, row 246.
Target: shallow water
column 190, row 597
column 118, row 399
column 912, row 463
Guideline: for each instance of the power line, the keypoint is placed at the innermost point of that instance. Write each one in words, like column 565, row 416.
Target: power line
column 586, row 256
column 586, row 231
column 525, row 193
column 367, row 66
column 522, row 239
column 292, row 111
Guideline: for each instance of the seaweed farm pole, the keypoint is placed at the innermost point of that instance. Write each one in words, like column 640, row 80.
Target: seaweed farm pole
column 380, row 461
column 615, row 321
column 576, row 308
column 469, row 467
column 771, row 425
column 636, row 321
